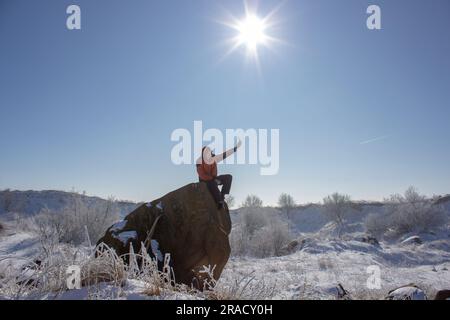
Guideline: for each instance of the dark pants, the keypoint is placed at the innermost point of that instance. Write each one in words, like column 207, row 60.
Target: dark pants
column 213, row 186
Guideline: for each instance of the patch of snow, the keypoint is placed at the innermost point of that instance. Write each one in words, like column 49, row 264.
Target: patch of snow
column 118, row 226
column 125, row 236
column 412, row 240
column 18, row 249
column 155, row 249
column 132, row 290
column 160, row 206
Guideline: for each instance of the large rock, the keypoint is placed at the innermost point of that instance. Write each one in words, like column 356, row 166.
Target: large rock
column 442, row 295
column 370, row 240
column 414, row 240
column 408, row 292
column 191, row 229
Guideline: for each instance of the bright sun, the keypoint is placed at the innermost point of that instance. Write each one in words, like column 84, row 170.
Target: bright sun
column 251, row 32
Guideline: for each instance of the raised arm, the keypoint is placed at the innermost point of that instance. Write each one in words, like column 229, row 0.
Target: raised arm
column 226, row 154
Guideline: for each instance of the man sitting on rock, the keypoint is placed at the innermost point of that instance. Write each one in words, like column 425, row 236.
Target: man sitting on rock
column 207, row 172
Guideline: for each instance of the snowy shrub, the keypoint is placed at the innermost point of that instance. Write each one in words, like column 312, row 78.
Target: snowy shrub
column 100, row 268
column 376, row 224
column 336, row 207
column 69, row 224
column 38, row 278
column 260, row 233
column 269, row 240
column 253, row 219
column 411, row 212
column 414, row 213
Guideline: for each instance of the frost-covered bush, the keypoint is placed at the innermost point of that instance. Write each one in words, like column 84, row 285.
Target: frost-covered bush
column 253, row 219
column 411, row 212
column 104, row 275
column 336, row 207
column 376, row 224
column 259, row 233
column 70, row 224
column 100, row 269
column 269, row 241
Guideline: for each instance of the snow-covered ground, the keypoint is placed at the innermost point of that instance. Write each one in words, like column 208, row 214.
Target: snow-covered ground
column 312, row 271
column 315, row 271
column 17, row 247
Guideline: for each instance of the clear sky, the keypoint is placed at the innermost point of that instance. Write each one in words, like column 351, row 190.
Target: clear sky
column 360, row 112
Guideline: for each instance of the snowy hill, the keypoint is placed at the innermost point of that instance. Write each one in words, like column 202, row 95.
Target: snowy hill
column 32, row 202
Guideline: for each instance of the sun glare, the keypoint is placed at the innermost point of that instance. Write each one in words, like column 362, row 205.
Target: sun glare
column 251, row 32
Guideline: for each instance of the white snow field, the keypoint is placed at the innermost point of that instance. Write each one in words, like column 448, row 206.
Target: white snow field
column 312, row 270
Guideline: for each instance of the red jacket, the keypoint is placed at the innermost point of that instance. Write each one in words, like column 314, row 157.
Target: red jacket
column 207, row 172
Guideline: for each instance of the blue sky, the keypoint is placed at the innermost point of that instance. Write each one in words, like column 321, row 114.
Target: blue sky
column 94, row 109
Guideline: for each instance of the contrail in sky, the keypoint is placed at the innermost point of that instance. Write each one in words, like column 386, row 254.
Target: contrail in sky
column 374, row 139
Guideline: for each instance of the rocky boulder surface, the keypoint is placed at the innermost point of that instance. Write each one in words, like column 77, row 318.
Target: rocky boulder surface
column 188, row 227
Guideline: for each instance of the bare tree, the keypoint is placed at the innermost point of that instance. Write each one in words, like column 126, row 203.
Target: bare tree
column 230, row 200
column 252, row 201
column 286, row 203
column 336, row 207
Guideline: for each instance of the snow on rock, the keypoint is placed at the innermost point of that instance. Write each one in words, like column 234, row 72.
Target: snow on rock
column 155, row 249
column 412, row 240
column 126, row 236
column 410, row 292
column 118, row 226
